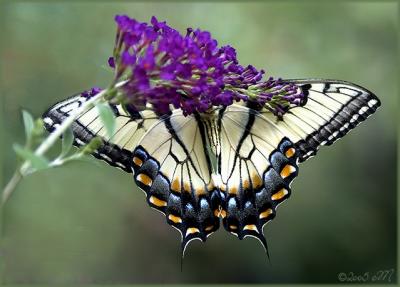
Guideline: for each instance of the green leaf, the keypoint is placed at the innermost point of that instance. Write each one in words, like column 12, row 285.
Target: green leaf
column 67, row 141
column 93, row 145
column 36, row 161
column 29, row 123
column 107, row 117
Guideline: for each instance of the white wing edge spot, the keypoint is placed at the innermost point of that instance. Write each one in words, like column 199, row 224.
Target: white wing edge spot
column 48, row 121
column 105, row 157
column 363, row 110
column 120, row 164
column 372, row 103
column 354, row 118
column 79, row 142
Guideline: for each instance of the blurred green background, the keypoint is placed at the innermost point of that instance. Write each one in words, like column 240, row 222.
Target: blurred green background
column 84, row 223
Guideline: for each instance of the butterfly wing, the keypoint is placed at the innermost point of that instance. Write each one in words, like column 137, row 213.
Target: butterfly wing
column 259, row 152
column 256, row 165
column 117, row 150
column 333, row 108
column 172, row 166
column 167, row 156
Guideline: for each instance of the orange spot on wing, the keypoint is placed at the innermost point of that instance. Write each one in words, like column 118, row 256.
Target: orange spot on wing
column 265, row 213
column 287, row 170
column 157, row 202
column 137, row 161
column 174, row 218
column 280, row 194
column 186, row 186
column 233, row 227
column 233, row 190
column 209, row 228
column 192, row 230
column 290, row 152
column 200, row 191
column 176, row 185
column 256, row 180
column 220, row 212
column 250, row 227
column 144, row 178
column 210, row 186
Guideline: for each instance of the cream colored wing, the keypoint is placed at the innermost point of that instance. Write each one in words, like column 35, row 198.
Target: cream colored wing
column 259, row 152
column 116, row 150
column 173, row 168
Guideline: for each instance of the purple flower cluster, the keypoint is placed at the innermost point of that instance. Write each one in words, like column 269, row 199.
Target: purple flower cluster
column 190, row 72
column 277, row 95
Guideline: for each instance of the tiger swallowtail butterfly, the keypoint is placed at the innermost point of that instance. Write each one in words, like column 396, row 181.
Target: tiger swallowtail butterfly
column 234, row 163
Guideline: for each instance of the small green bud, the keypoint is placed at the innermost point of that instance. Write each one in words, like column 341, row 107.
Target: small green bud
column 110, row 94
column 93, row 145
column 38, row 128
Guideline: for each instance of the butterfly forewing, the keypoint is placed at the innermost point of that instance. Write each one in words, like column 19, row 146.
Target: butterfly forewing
column 332, row 109
column 117, row 150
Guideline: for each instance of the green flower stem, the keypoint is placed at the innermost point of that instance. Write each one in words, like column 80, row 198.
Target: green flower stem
column 48, row 143
column 11, row 185
column 249, row 92
column 51, row 140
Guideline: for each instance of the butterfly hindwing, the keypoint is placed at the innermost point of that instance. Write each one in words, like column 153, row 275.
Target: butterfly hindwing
column 256, row 165
column 172, row 167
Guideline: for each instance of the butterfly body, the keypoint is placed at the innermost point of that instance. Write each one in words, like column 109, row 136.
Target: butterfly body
column 234, row 164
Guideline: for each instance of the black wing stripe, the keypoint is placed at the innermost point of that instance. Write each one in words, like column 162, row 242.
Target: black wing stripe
column 172, row 132
column 202, row 132
column 130, row 137
column 339, row 118
column 201, row 173
column 119, row 130
column 278, row 125
column 306, row 123
column 237, row 151
column 241, row 126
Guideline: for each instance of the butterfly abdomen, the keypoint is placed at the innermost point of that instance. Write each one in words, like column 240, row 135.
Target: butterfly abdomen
column 209, row 124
